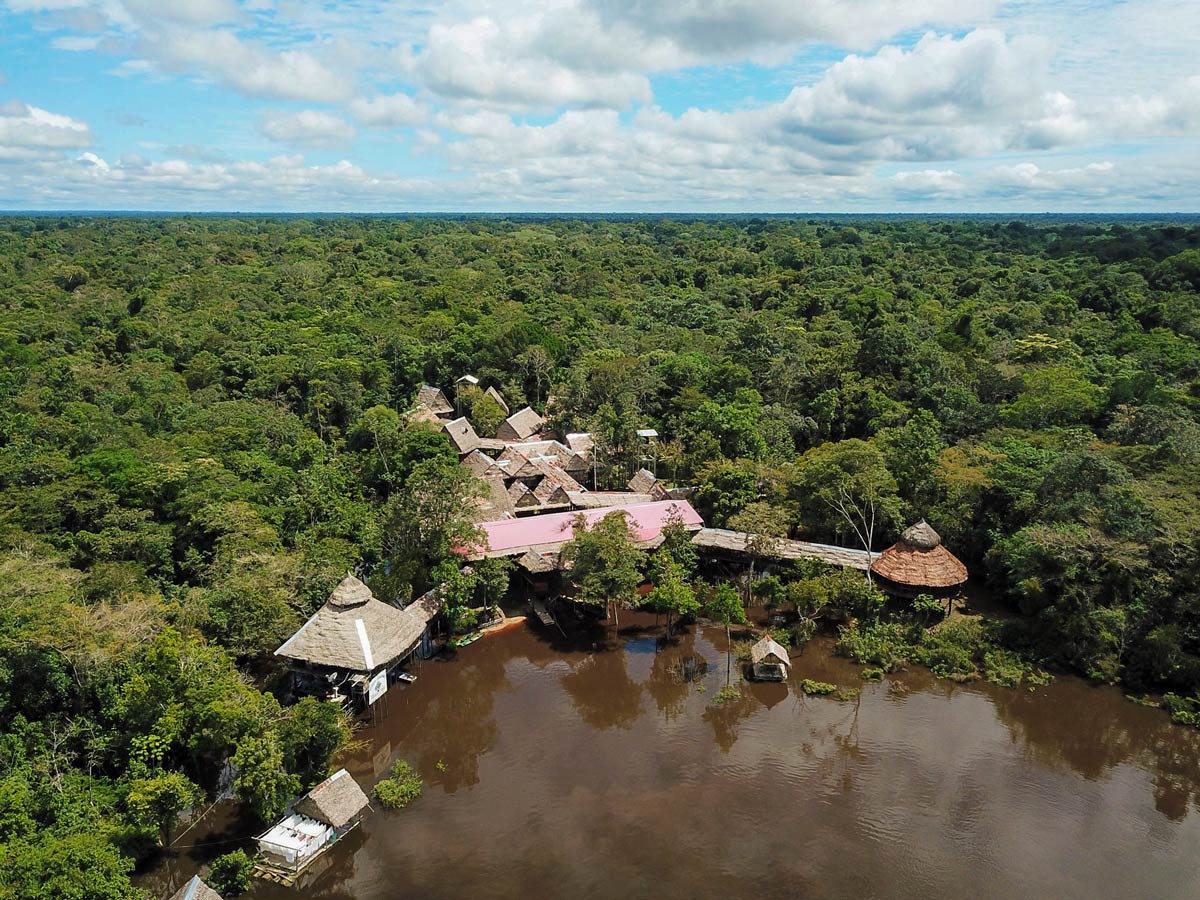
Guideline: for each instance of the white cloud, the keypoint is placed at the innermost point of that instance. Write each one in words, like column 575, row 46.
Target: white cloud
column 248, row 67
column 309, row 127
column 192, row 12
column 483, row 60
column 31, row 132
column 388, row 111
column 75, row 43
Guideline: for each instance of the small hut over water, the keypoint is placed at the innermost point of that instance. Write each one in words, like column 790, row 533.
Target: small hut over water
column 195, row 889
column 769, row 661
column 919, row 564
column 317, row 819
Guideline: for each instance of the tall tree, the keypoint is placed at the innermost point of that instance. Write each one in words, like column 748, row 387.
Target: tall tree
column 848, row 483
column 606, row 567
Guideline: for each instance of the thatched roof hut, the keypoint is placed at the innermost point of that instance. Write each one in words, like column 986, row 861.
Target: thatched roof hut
column 770, row 661
column 462, row 435
column 520, row 426
column 355, row 632
column 433, row 398
column 642, row 481
column 195, row 889
column 495, row 395
column 336, row 801
column 918, row 563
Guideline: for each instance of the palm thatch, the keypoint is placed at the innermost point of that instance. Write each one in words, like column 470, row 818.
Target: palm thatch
column 425, row 414
column 495, row 395
column 581, row 441
column 495, row 503
column 598, row 499
column 768, row 650
column 642, row 481
column 462, row 435
column 720, row 540
column 335, row 801
column 355, row 632
column 918, row 560
column 480, row 464
column 195, row 889
column 432, row 398
column 520, row 426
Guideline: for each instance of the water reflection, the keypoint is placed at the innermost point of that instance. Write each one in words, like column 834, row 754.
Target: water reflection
column 603, row 767
column 602, row 692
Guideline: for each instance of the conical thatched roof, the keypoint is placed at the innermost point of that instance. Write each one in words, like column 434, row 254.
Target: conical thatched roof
column 355, row 631
column 350, row 592
column 335, row 801
column 195, row 889
column 919, row 560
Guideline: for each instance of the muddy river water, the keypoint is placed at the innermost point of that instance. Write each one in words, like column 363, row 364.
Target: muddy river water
column 558, row 768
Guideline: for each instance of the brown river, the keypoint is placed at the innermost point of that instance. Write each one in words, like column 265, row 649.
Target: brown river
column 577, row 769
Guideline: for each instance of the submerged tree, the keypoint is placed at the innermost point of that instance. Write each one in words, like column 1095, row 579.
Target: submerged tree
column 606, row 566
column 765, row 526
column 724, row 606
column 672, row 594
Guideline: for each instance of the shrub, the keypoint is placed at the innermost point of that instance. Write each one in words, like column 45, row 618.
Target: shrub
column 1184, row 710
column 727, row 693
column 817, row 688
column 402, row 788
column 230, row 874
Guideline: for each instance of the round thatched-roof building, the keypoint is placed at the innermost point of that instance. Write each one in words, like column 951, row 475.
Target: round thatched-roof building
column 919, row 564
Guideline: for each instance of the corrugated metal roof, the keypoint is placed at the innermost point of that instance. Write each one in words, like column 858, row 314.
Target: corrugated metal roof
column 515, row 536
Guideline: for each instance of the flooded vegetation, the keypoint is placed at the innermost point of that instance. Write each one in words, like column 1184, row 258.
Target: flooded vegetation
column 593, row 767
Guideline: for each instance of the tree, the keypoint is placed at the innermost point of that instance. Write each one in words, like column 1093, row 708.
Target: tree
column 83, row 866
column 310, row 733
column 230, row 873
column 605, row 564
column 262, row 782
column 672, row 594
column 847, row 482
column 426, row 519
column 766, row 527
column 157, row 801
column 724, row 606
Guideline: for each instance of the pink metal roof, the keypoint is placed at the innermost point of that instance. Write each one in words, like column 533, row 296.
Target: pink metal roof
column 647, row 520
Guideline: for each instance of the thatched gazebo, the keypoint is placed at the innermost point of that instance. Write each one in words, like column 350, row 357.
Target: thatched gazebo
column 769, row 661
column 195, row 889
column 919, row 564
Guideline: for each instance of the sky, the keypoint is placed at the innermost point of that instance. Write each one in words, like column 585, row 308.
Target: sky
column 601, row 105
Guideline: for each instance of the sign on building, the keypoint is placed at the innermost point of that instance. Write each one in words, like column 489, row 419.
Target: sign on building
column 377, row 687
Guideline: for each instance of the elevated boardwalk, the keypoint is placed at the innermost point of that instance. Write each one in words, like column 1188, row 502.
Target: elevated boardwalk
column 717, row 540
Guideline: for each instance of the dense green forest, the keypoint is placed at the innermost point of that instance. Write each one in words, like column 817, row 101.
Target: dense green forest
column 202, row 429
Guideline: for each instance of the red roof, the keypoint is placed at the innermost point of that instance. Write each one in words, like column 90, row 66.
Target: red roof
column 647, row 519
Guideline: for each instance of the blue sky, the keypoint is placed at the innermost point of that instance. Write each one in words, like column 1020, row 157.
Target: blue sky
column 601, row 105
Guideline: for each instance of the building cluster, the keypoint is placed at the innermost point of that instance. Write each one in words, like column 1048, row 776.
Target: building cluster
column 526, row 468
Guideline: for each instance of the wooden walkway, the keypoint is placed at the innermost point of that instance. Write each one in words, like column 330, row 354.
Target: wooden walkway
column 720, row 539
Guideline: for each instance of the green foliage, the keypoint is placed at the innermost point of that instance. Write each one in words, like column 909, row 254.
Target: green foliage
column 81, row 866
column 230, row 873
column 203, row 425
column 960, row 649
column 731, row 693
column 157, row 801
column 399, row 789
column 1184, row 710
column 817, row 688
column 606, row 566
column 262, row 782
